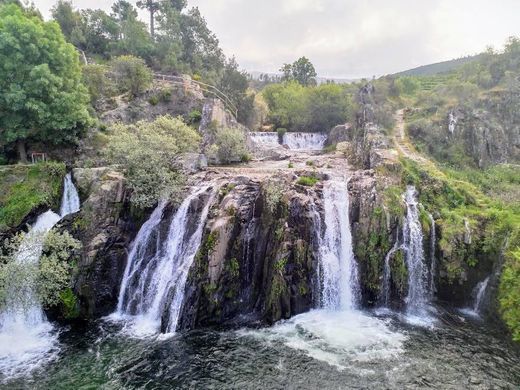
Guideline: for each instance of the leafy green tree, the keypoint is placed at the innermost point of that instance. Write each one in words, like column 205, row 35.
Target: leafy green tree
column 301, row 71
column 99, row 30
column 200, row 46
column 229, row 146
column 67, row 18
column 130, row 74
column 287, row 105
column 41, row 94
column 99, row 85
column 146, row 152
column 327, row 106
column 152, row 7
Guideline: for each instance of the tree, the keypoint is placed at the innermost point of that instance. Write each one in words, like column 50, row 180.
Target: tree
column 41, row 94
column 130, row 74
column 67, row 18
column 146, row 151
column 152, row 7
column 301, row 71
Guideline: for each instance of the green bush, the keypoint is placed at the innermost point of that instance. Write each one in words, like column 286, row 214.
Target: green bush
column 194, row 117
column 230, row 145
column 145, row 151
column 130, row 74
column 308, row 181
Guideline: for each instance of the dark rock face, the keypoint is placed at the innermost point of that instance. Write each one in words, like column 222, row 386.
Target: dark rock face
column 105, row 228
column 256, row 261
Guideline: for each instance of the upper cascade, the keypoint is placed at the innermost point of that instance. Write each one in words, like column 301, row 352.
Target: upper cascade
column 155, row 277
column 292, row 140
column 70, row 203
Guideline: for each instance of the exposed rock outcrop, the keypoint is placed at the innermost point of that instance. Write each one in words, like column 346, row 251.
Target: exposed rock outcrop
column 105, row 227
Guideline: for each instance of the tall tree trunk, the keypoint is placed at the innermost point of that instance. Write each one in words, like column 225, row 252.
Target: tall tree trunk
column 152, row 24
column 22, row 153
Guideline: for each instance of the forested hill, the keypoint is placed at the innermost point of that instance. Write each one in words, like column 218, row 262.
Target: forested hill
column 439, row 67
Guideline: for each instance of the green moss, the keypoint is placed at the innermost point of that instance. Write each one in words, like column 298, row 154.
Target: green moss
column 399, row 272
column 509, row 292
column 25, row 188
column 69, row 303
column 234, row 267
column 280, row 264
column 308, row 181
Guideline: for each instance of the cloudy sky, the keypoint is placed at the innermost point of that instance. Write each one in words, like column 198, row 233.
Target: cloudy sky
column 350, row 38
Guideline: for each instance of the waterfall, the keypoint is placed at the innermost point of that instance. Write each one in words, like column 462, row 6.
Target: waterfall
column 304, row 141
column 265, row 139
column 338, row 269
column 70, row 200
column 293, row 141
column 480, row 292
column 452, row 122
column 433, row 261
column 152, row 290
column 23, row 320
column 387, row 272
column 336, row 333
column 418, row 296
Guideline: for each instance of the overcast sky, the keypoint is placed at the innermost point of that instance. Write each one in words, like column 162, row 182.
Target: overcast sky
column 350, row 38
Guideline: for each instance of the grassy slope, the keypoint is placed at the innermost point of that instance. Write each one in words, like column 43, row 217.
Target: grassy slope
column 24, row 188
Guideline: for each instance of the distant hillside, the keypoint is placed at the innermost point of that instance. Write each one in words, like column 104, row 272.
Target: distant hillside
column 439, row 67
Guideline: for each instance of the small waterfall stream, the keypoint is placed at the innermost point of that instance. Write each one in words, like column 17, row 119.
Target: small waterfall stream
column 433, row 261
column 418, row 289
column 387, row 273
column 27, row 338
column 152, row 291
column 480, row 293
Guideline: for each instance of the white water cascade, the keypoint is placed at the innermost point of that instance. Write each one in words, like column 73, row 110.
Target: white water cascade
column 304, row 141
column 338, row 268
column 336, row 333
column 480, row 293
column 265, row 139
column 153, row 285
column 27, row 338
column 292, row 140
column 418, row 290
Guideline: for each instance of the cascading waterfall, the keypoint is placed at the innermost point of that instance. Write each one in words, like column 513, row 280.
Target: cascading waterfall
column 418, row 292
column 336, row 333
column 27, row 339
column 264, row 138
column 292, row 140
column 480, row 293
column 338, row 269
column 70, row 199
column 304, row 141
column 152, row 290
column 433, row 261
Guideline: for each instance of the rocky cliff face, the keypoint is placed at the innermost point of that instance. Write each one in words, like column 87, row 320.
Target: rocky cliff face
column 105, row 227
column 256, row 261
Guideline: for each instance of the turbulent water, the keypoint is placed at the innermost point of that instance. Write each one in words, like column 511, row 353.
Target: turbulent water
column 152, row 290
column 292, row 140
column 335, row 346
column 27, row 338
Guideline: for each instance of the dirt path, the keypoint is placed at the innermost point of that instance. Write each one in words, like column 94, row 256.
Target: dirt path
column 401, row 141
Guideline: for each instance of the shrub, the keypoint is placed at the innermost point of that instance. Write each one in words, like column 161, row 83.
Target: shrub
column 145, row 151
column 194, row 116
column 49, row 278
column 230, row 145
column 281, row 132
column 130, row 74
column 308, row 181
column 153, row 100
